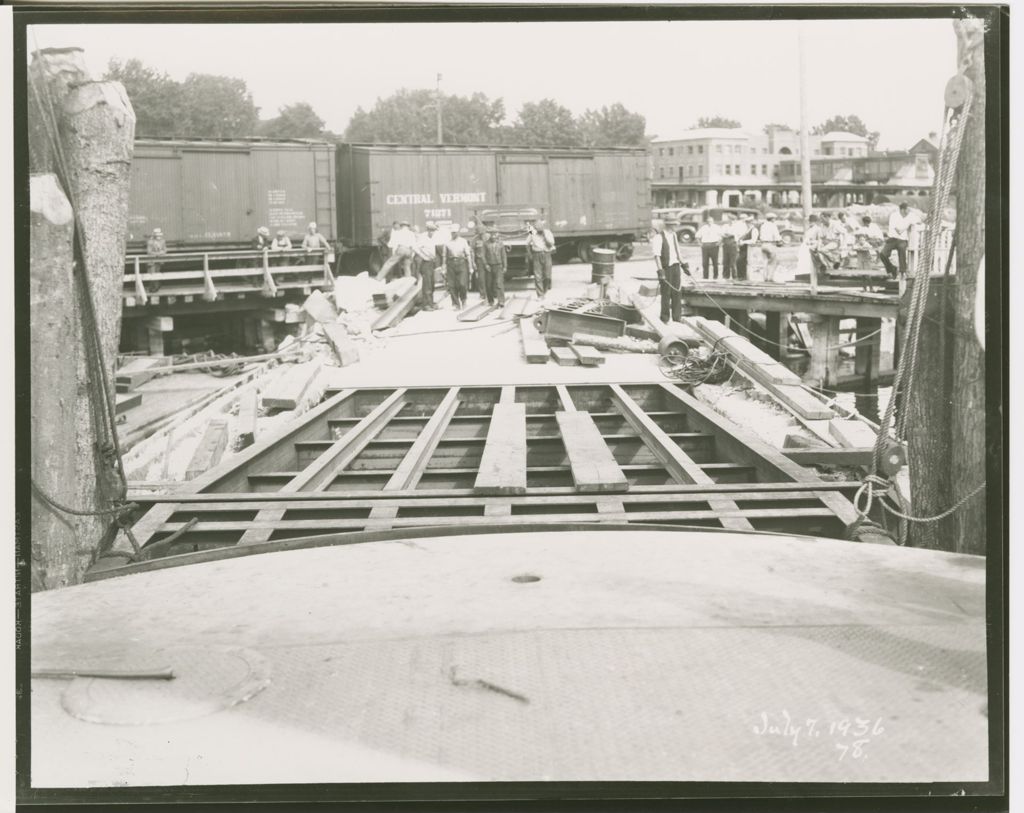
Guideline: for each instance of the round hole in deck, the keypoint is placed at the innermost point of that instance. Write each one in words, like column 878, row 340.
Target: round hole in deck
column 525, row 578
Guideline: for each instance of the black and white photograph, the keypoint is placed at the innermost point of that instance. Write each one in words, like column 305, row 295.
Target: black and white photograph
column 421, row 402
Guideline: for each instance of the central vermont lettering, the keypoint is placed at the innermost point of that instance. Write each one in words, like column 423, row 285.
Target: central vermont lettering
column 428, row 199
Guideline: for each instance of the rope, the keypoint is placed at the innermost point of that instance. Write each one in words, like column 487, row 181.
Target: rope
column 950, row 143
column 693, row 370
column 104, row 420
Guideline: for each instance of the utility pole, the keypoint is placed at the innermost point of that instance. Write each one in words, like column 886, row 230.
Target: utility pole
column 805, row 149
column 440, row 126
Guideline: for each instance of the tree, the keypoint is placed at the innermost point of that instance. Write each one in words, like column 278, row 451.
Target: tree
column 297, row 120
column 157, row 99
column 201, row 106
column 219, row 106
column 716, row 121
column 547, row 124
column 847, row 124
column 410, row 117
column 613, row 126
column 769, row 128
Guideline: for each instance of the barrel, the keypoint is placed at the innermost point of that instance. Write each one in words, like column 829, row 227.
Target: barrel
column 602, row 265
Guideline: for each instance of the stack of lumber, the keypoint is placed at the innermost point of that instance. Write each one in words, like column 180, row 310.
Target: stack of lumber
column 535, row 349
column 287, row 390
column 138, row 371
column 407, row 290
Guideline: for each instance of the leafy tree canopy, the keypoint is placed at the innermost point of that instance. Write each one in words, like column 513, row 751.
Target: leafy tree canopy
column 716, row 121
column 410, row 117
column 848, row 124
column 297, row 120
column 613, row 126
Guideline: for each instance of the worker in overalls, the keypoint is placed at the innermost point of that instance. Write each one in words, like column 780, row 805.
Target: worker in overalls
column 495, row 266
column 668, row 260
column 457, row 266
column 425, row 263
column 539, row 245
column 730, row 247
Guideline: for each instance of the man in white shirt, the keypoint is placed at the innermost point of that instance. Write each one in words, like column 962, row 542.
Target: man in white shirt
column 540, row 242
column 770, row 240
column 426, row 263
column 897, row 238
column 667, row 258
column 710, row 238
column 746, row 236
column 868, row 238
column 403, row 247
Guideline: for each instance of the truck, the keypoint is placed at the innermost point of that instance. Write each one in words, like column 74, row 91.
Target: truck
column 590, row 198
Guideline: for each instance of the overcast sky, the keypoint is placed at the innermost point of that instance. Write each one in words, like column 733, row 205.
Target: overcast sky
column 889, row 72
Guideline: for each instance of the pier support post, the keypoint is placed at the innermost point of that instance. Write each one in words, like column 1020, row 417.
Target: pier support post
column 824, row 367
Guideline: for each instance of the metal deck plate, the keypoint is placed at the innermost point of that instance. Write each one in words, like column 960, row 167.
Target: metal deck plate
column 633, row 655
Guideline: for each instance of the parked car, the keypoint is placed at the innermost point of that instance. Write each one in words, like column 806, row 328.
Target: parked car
column 689, row 223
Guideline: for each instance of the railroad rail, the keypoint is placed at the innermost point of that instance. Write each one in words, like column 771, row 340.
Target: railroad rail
column 420, row 457
column 212, row 276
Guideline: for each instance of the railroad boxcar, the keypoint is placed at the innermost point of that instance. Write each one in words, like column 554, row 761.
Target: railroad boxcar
column 214, row 194
column 589, row 197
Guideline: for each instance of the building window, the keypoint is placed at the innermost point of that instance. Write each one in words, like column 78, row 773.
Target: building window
column 764, row 169
column 728, row 169
column 662, row 173
column 671, row 150
column 680, row 172
column 700, row 149
column 737, row 169
column 689, row 149
column 753, row 169
column 764, row 150
column 661, row 150
column 785, row 151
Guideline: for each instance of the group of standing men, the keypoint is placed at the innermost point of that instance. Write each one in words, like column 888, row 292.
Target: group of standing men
column 474, row 257
column 733, row 241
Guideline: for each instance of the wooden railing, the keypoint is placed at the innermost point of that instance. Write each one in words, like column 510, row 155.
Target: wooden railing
column 213, row 274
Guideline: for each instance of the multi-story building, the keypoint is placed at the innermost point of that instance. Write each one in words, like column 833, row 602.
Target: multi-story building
column 732, row 167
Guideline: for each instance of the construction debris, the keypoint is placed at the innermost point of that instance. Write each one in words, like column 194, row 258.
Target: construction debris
column 247, row 421
column 318, row 308
column 535, row 349
column 210, row 450
column 287, row 391
column 564, row 357
column 408, row 291
column 138, row 371
column 588, row 356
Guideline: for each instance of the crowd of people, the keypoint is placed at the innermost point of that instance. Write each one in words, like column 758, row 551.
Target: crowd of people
column 473, row 257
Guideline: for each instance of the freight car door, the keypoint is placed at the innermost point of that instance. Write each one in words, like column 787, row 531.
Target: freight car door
column 572, row 194
column 523, row 179
column 218, row 196
column 155, row 197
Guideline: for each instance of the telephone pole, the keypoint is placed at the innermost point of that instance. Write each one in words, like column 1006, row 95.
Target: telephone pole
column 805, row 148
column 440, row 126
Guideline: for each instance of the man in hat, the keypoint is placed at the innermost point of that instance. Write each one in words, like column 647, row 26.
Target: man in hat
column 495, row 266
column 282, row 243
column 457, row 264
column 262, row 239
column 897, row 239
column 539, row 245
column 729, row 245
column 314, row 241
column 155, row 246
column 770, row 241
column 668, row 260
column 403, row 247
column 746, row 237
column 425, row 263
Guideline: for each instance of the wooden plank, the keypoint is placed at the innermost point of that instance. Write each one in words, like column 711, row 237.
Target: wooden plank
column 824, row 456
column 509, row 307
column 318, row 474
column 248, row 412
column 477, row 312
column 535, row 349
column 747, row 448
column 503, row 462
column 407, row 292
column 564, row 357
column 799, row 400
column 287, row 391
column 754, row 361
column 592, row 463
column 210, row 449
column 568, row 405
column 508, row 395
column 677, row 463
column 344, row 348
column 409, row 471
column 852, row 433
column 729, row 518
column 138, row 371
column 124, row 402
column 588, row 356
